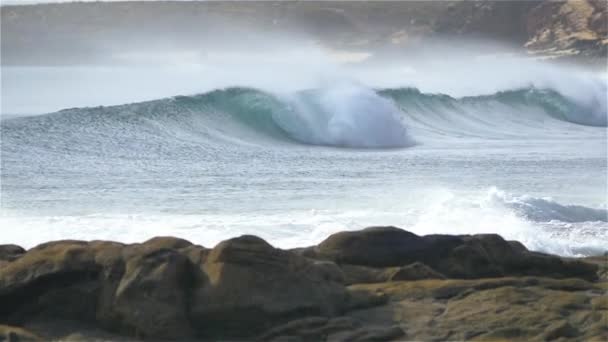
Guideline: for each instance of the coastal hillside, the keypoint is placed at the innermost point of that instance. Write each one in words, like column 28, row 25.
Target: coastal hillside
column 82, row 33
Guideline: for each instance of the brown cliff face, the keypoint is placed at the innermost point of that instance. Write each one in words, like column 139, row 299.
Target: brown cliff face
column 569, row 28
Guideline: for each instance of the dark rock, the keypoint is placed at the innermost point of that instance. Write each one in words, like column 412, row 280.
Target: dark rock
column 167, row 288
column 16, row 334
column 197, row 254
column 477, row 256
column 375, row 246
column 370, row 334
column 355, row 274
column 415, row 271
column 154, row 244
column 561, row 329
column 152, row 297
column 517, row 246
column 309, row 329
column 10, row 252
column 43, row 279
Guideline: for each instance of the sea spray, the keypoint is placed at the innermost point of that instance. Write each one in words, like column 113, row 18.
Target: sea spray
column 347, row 115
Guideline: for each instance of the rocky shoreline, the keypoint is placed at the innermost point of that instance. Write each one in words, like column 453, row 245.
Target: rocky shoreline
column 376, row 284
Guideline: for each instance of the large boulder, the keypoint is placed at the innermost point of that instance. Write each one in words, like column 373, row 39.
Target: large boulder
column 145, row 289
column 476, row 256
column 140, row 290
column 152, row 297
column 254, row 286
column 374, row 246
column 10, row 252
column 55, row 279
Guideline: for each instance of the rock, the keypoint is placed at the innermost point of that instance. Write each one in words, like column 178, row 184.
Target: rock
column 309, row 329
column 16, row 334
column 254, row 286
column 335, row 329
column 523, row 309
column 370, row 334
column 43, row 281
column 477, row 256
column 375, row 246
column 145, row 288
column 569, row 28
column 415, row 271
column 197, row 254
column 517, row 246
column 355, row 274
column 10, row 252
column 561, row 329
column 152, row 297
column 154, row 244
column 167, row 288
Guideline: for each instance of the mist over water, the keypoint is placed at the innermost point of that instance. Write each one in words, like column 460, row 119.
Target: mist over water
column 295, row 143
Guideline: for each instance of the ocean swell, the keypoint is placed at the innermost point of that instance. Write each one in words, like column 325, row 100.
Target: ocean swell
column 342, row 115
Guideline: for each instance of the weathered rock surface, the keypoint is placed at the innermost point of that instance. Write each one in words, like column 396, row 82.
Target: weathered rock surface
column 10, row 252
column 512, row 309
column 473, row 256
column 10, row 334
column 380, row 284
column 576, row 28
column 253, row 286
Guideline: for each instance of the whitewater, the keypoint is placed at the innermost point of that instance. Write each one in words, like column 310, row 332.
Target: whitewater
column 525, row 160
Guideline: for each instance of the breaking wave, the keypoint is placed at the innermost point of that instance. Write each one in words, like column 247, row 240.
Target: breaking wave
column 345, row 115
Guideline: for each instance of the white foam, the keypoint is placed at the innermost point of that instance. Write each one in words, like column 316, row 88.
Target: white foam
column 345, row 114
column 436, row 212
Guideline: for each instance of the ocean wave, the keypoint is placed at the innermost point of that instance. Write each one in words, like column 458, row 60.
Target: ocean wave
column 541, row 224
column 342, row 115
column 546, row 209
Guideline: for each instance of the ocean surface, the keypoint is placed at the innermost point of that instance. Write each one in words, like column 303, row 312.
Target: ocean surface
column 527, row 162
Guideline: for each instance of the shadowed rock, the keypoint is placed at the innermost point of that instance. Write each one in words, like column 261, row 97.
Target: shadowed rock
column 10, row 252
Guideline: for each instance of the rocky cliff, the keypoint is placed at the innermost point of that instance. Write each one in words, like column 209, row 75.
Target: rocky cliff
column 94, row 32
column 570, row 28
column 380, row 284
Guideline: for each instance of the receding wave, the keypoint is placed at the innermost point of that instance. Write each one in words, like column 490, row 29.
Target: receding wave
column 345, row 115
column 546, row 209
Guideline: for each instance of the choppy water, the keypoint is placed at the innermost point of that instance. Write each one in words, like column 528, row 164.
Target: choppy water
column 527, row 163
